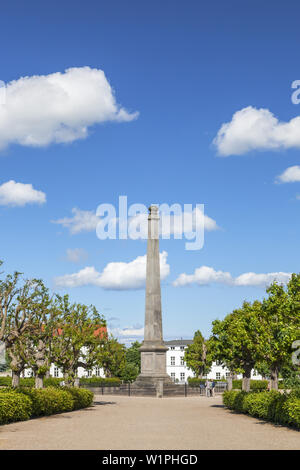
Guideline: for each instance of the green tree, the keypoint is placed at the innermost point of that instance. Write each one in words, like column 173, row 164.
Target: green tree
column 237, row 340
column 78, row 339
column 133, row 355
column 281, row 317
column 197, row 357
column 112, row 357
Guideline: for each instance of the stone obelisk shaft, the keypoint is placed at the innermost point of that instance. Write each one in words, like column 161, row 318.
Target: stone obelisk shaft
column 153, row 318
column 153, row 350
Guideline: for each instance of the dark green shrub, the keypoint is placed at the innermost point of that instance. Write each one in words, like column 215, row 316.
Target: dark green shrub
column 5, row 381
column 14, row 407
column 48, row 401
column 255, row 385
column 82, row 398
column 273, row 406
column 100, row 382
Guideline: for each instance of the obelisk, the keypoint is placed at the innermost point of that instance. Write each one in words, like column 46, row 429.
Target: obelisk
column 153, row 350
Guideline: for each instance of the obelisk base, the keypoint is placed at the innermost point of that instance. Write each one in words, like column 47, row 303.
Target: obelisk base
column 153, row 365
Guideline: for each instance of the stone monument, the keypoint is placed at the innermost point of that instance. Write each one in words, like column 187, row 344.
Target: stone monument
column 153, row 350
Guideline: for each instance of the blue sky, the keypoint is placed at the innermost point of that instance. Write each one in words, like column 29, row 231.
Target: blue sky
column 186, row 68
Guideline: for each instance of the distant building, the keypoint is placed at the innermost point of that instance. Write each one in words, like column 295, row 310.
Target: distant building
column 178, row 370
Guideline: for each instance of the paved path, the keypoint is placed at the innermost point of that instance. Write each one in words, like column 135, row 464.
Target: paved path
column 149, row 423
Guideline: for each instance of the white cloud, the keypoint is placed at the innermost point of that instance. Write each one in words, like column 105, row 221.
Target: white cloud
column 206, row 275
column 290, row 175
column 87, row 221
column 115, row 275
column 57, row 108
column 76, row 255
column 82, row 221
column 256, row 129
column 19, row 194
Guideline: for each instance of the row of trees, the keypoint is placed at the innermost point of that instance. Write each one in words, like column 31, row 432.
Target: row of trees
column 39, row 329
column 259, row 335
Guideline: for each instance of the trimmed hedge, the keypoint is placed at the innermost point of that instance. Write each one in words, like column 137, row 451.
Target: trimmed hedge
column 272, row 406
column 100, row 382
column 14, row 407
column 25, row 403
column 195, row 382
column 29, row 382
column 255, row 385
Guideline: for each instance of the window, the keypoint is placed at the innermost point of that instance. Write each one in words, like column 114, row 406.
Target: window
column 182, row 348
column 97, row 371
column 227, row 375
column 172, row 348
column 218, row 363
column 172, row 360
column 182, row 376
column 56, row 372
column 173, row 376
column 182, row 360
column 89, row 373
column 218, row 375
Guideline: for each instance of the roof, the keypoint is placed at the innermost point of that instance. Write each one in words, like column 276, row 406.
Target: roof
column 178, row 342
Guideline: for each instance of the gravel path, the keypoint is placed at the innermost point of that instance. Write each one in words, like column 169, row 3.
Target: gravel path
column 148, row 423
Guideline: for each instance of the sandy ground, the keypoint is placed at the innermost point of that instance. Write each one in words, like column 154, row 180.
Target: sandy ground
column 148, row 423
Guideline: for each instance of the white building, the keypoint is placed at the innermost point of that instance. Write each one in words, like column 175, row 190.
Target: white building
column 179, row 372
column 176, row 367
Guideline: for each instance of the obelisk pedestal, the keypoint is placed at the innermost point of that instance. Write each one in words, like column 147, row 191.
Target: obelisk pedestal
column 153, row 350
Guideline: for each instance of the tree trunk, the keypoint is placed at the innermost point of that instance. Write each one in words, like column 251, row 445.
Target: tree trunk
column 229, row 383
column 274, row 378
column 15, row 379
column 246, row 379
column 76, row 382
column 39, row 381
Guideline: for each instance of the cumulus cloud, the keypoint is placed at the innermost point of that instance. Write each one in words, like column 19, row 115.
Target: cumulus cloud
column 87, row 221
column 82, row 221
column 115, row 275
column 76, row 255
column 206, row 275
column 256, row 129
column 290, row 175
column 19, row 194
column 57, row 108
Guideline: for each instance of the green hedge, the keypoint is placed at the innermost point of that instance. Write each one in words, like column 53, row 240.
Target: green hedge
column 273, row 406
column 100, row 381
column 25, row 403
column 14, row 407
column 255, row 385
column 195, row 382
column 29, row 382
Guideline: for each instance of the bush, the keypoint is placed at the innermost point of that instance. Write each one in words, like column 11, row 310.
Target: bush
column 100, row 382
column 48, row 401
column 14, row 407
column 30, row 381
column 255, row 385
column 82, row 398
column 24, row 402
column 273, row 406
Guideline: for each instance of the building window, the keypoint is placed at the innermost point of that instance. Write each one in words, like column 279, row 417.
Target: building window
column 218, row 363
column 172, row 348
column 218, row 375
column 227, row 375
column 182, row 360
column 172, row 360
column 173, row 376
column 56, row 372
column 182, row 348
column 89, row 373
column 97, row 371
column 182, row 376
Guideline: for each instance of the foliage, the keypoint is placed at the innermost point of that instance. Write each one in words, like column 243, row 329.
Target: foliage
column 100, row 381
column 133, row 355
column 196, row 355
column 273, row 406
column 255, row 385
column 24, row 403
column 112, row 357
column 14, row 407
column 129, row 373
